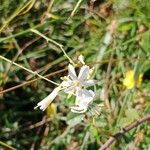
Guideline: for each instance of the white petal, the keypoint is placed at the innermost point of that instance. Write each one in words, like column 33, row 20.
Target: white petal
column 84, row 97
column 84, row 72
column 70, row 90
column 88, row 83
column 91, row 72
column 85, row 94
column 72, row 72
column 78, row 92
column 66, row 83
column 77, row 109
column 46, row 101
column 81, row 59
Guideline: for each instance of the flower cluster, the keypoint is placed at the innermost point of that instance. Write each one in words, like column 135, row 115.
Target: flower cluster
column 76, row 85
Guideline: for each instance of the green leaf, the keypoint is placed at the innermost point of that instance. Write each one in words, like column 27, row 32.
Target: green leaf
column 126, row 26
column 94, row 131
column 123, row 122
column 100, row 123
column 145, row 41
column 132, row 114
column 74, row 119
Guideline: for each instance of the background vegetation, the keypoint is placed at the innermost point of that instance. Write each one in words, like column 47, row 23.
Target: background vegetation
column 113, row 36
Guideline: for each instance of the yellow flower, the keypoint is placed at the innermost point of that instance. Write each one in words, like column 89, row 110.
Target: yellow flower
column 51, row 110
column 129, row 81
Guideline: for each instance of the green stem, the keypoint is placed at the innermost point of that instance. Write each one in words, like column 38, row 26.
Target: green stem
column 23, row 32
column 17, row 12
column 54, row 42
column 30, row 71
column 76, row 7
column 7, row 146
column 122, row 109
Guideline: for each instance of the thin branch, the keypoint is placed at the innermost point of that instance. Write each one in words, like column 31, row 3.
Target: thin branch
column 54, row 42
column 31, row 81
column 123, row 131
column 29, row 127
column 28, row 70
column 75, row 8
column 57, row 72
column 5, row 145
column 38, row 124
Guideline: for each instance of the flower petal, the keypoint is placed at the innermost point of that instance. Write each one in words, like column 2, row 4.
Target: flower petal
column 84, row 97
column 77, row 109
column 84, row 72
column 66, row 83
column 46, row 101
column 70, row 90
column 72, row 72
column 88, row 83
column 83, row 93
column 81, row 59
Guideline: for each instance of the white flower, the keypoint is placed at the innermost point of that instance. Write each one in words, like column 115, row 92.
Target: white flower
column 75, row 85
column 46, row 101
column 83, row 99
column 72, row 82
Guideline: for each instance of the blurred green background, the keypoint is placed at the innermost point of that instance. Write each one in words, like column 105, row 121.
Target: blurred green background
column 113, row 36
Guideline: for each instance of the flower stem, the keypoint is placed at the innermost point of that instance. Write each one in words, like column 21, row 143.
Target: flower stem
column 7, row 146
column 30, row 71
column 54, row 42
